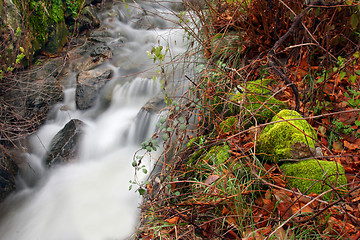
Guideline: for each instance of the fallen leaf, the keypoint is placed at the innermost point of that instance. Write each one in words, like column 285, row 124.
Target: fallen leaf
column 285, row 210
column 338, row 146
column 172, row 220
column 350, row 146
column 211, row 179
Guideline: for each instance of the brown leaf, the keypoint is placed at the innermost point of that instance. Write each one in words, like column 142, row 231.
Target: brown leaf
column 350, row 146
column 172, row 220
column 338, row 146
column 211, row 179
column 284, row 210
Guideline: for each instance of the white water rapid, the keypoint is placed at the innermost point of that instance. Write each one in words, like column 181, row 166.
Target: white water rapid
column 89, row 198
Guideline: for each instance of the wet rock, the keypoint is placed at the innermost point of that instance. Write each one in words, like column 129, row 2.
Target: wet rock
column 101, row 51
column 100, row 36
column 11, row 13
column 88, row 86
column 88, row 19
column 97, row 56
column 64, row 146
column 57, row 38
column 87, row 46
column 8, row 171
column 154, row 105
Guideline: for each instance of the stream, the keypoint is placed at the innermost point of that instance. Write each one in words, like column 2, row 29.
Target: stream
column 89, row 198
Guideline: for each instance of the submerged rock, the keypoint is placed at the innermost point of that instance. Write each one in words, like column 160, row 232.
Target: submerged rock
column 64, row 146
column 287, row 139
column 316, row 176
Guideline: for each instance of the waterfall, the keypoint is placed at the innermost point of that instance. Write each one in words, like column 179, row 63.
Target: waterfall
column 89, row 198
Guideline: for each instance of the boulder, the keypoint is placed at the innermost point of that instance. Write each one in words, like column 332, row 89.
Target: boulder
column 88, row 19
column 287, row 139
column 57, row 38
column 257, row 99
column 102, row 36
column 88, row 86
column 154, row 105
column 98, row 55
column 64, row 146
column 316, row 176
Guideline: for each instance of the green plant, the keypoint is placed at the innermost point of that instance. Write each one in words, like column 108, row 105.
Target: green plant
column 353, row 98
column 340, row 127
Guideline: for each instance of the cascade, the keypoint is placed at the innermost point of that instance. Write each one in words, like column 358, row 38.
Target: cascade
column 89, row 198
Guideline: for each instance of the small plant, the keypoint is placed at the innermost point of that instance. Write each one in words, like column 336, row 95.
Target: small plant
column 353, row 98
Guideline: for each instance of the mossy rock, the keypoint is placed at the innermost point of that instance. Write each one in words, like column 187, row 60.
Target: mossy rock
column 257, row 99
column 217, row 155
column 228, row 126
column 315, row 176
column 287, row 139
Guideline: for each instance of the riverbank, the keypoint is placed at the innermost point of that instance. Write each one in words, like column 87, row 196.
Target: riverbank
column 232, row 179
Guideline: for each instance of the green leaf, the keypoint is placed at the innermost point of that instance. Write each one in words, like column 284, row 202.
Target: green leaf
column 165, row 137
column 130, row 187
column 144, row 170
column 177, row 193
column 354, row 20
column 353, row 78
column 141, row 191
column 134, row 164
column 183, row 126
column 342, row 75
column 181, row 119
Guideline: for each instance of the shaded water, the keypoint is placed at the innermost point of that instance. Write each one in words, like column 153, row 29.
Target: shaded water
column 88, row 199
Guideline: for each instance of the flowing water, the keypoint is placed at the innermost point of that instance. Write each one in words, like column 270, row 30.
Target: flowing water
column 89, row 198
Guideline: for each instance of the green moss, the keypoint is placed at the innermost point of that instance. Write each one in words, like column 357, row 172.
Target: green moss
column 315, row 176
column 39, row 20
column 218, row 155
column 73, row 7
column 228, row 126
column 254, row 97
column 57, row 11
column 278, row 139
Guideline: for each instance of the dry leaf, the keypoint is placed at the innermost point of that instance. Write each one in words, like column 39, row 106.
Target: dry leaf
column 211, row 179
column 172, row 220
column 350, row 146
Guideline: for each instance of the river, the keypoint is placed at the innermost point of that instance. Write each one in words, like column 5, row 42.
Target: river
column 89, row 198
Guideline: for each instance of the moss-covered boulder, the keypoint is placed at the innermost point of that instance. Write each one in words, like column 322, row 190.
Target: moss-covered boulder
column 316, row 176
column 258, row 100
column 228, row 126
column 217, row 155
column 287, row 139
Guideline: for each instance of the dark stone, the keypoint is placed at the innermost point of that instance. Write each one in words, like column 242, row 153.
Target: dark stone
column 8, row 170
column 64, row 146
column 88, row 86
column 88, row 19
column 103, row 51
column 155, row 104
column 57, row 38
